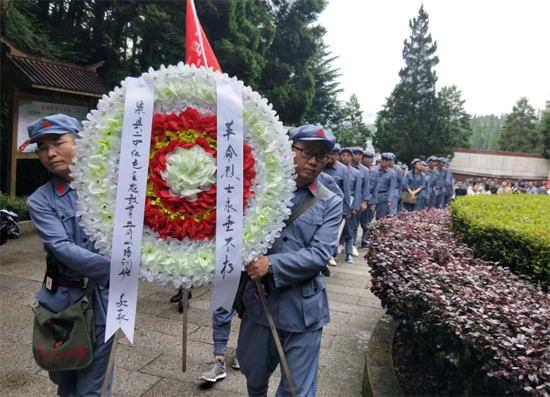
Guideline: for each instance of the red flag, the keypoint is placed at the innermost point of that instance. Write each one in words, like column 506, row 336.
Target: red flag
column 197, row 48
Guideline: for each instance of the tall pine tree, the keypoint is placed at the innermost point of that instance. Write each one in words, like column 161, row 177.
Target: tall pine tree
column 455, row 120
column 519, row 133
column 351, row 130
column 543, row 128
column 416, row 121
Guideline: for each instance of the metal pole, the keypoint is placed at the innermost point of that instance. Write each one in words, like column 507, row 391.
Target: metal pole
column 111, row 363
column 199, row 34
column 260, row 289
column 184, row 335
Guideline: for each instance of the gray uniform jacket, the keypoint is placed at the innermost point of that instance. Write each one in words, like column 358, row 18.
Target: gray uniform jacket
column 356, row 187
column 394, row 196
column 441, row 180
column 327, row 181
column 449, row 182
column 432, row 176
column 373, row 185
column 386, row 184
column 414, row 180
column 52, row 208
column 365, row 178
column 341, row 175
column 297, row 296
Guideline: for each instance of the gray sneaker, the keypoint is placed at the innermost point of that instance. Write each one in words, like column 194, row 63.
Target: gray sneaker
column 216, row 370
column 235, row 364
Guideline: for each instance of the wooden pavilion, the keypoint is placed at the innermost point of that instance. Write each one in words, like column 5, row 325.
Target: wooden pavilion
column 37, row 87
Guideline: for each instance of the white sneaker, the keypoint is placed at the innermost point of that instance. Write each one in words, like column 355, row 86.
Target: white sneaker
column 340, row 249
column 354, row 251
column 332, row 262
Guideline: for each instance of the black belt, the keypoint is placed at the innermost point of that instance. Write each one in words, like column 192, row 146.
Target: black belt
column 382, row 191
column 73, row 282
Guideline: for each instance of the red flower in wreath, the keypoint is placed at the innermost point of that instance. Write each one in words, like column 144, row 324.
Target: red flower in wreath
column 189, row 213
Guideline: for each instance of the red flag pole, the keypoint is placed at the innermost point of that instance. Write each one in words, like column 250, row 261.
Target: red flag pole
column 199, row 33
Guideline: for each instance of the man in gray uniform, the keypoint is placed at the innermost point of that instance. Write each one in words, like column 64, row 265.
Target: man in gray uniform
column 440, row 182
column 394, row 195
column 368, row 215
column 346, row 155
column 69, row 251
column 431, row 174
column 365, row 191
column 386, row 184
column 290, row 270
column 449, row 182
column 341, row 175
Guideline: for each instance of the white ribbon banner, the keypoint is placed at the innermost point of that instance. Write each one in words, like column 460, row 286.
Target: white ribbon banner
column 130, row 206
column 229, row 195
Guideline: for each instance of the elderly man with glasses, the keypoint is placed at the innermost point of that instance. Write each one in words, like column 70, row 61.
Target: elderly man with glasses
column 290, row 271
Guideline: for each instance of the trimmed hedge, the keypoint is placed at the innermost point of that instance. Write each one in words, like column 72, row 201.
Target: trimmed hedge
column 476, row 315
column 15, row 204
column 513, row 230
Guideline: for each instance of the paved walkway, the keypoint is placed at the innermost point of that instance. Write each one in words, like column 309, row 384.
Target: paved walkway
column 152, row 365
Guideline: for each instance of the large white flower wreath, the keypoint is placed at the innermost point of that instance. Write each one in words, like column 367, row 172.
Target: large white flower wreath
column 184, row 262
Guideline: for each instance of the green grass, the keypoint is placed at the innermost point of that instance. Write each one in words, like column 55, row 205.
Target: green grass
column 15, row 204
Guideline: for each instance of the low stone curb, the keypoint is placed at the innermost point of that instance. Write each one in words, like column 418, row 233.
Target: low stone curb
column 380, row 379
column 26, row 227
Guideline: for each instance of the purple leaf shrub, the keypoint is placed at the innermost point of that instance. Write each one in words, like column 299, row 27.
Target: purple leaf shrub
column 473, row 313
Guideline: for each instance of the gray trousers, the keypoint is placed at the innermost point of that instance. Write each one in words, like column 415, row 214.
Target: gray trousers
column 258, row 357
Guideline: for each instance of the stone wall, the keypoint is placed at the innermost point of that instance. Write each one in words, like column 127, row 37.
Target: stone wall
column 500, row 165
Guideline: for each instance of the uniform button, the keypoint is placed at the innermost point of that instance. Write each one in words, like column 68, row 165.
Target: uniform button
column 310, row 221
column 62, row 217
column 285, row 239
column 84, row 240
column 314, row 289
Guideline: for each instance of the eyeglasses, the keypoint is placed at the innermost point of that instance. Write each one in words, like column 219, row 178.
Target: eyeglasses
column 55, row 146
column 309, row 154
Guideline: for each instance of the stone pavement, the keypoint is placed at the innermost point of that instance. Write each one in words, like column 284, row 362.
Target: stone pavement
column 152, row 365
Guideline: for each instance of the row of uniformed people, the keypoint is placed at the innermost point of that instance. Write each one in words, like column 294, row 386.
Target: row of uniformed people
column 431, row 183
column 352, row 170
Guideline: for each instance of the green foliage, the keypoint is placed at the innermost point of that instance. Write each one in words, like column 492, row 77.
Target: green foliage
column 350, row 130
column 287, row 79
column 519, row 133
column 455, row 120
column 15, row 204
column 543, row 130
column 512, row 230
column 325, row 109
column 240, row 33
column 21, row 26
column 486, row 132
column 416, row 121
column 275, row 46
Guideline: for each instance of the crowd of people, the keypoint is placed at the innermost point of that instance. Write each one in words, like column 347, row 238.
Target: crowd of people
column 485, row 186
column 338, row 191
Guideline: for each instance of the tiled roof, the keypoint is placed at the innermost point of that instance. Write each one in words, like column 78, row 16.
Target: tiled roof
column 60, row 76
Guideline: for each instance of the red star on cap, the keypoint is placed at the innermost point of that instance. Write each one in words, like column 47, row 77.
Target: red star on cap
column 321, row 133
column 46, row 124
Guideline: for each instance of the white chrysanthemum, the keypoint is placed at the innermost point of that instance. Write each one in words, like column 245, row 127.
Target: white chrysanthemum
column 172, row 261
column 189, row 172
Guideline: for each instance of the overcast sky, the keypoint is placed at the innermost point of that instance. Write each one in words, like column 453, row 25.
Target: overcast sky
column 495, row 52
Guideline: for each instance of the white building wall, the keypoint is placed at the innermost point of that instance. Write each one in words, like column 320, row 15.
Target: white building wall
column 500, row 166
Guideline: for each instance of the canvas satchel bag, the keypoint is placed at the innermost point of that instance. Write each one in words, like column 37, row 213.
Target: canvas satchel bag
column 65, row 341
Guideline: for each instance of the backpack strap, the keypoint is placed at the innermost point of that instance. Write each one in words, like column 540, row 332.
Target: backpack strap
column 304, row 205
